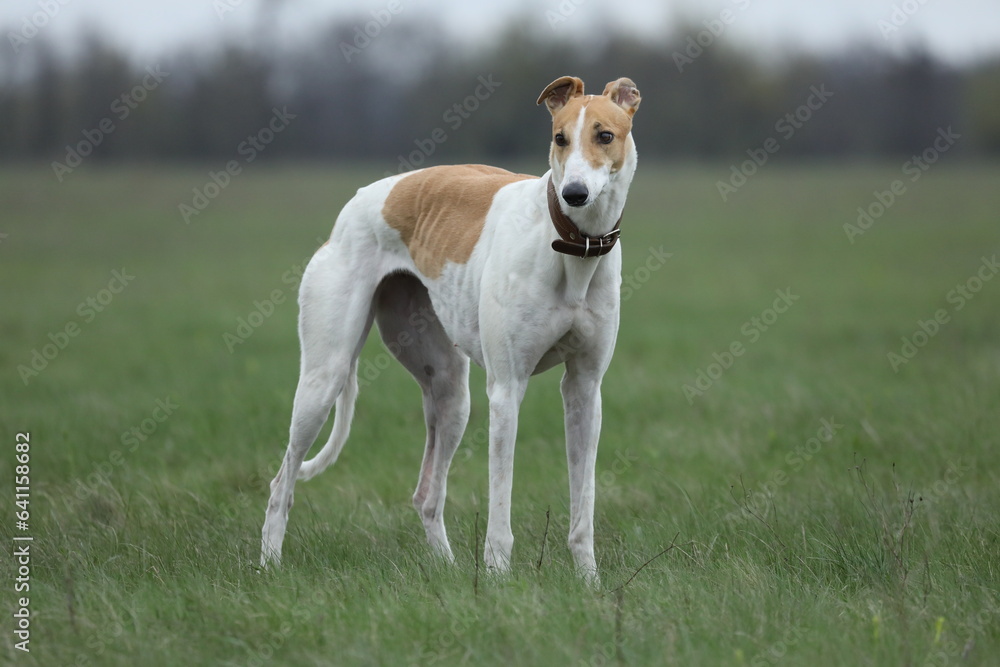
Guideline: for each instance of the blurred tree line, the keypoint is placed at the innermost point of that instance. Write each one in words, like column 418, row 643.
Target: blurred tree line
column 409, row 96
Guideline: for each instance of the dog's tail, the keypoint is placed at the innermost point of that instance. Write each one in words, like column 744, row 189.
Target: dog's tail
column 338, row 436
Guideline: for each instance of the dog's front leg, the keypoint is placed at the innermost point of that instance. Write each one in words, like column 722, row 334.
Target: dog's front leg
column 505, row 401
column 581, row 391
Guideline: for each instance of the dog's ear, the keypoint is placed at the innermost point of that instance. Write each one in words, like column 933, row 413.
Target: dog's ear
column 559, row 92
column 624, row 93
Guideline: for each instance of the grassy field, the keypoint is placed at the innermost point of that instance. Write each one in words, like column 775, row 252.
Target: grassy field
column 821, row 502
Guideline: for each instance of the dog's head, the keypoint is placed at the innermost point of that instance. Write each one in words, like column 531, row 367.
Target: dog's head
column 591, row 136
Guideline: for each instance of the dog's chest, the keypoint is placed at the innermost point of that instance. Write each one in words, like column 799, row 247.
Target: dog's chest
column 542, row 314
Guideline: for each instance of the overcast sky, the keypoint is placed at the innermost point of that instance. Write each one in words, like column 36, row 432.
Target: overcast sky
column 956, row 30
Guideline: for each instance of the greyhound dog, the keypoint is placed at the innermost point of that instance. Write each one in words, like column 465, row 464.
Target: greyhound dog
column 518, row 273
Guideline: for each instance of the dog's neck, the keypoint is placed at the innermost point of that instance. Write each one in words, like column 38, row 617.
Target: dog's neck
column 572, row 241
column 601, row 216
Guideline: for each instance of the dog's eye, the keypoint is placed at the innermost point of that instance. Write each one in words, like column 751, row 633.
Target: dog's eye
column 605, row 137
column 560, row 140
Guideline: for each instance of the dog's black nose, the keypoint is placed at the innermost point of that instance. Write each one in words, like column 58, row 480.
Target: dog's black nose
column 575, row 194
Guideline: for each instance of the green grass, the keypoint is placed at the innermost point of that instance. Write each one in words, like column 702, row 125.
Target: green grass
column 876, row 544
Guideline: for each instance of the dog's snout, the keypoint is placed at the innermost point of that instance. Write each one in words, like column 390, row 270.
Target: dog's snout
column 575, row 194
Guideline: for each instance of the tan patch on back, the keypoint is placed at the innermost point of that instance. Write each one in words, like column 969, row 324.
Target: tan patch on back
column 439, row 212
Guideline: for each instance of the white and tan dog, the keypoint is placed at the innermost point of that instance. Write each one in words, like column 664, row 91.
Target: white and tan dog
column 517, row 272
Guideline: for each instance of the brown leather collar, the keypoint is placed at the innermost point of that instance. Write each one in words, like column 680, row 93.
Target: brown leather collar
column 572, row 241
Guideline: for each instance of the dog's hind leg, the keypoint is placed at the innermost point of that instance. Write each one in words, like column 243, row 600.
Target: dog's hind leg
column 335, row 315
column 412, row 332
